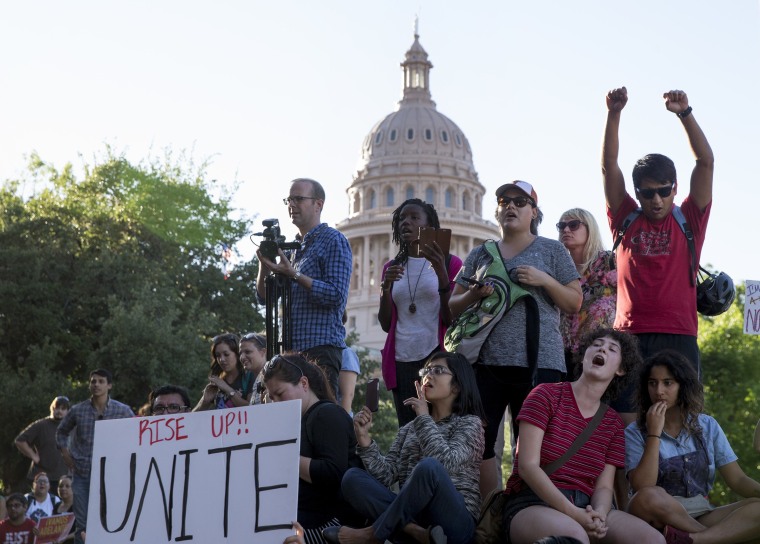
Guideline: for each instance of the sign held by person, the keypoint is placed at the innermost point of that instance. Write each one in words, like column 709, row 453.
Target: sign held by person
column 213, row 476
column 752, row 307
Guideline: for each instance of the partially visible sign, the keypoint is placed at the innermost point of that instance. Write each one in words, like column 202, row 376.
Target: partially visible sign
column 54, row 528
column 752, row 307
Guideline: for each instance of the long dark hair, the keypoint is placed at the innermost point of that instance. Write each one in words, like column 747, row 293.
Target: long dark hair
column 291, row 366
column 691, row 399
column 232, row 341
column 432, row 219
column 467, row 401
column 630, row 359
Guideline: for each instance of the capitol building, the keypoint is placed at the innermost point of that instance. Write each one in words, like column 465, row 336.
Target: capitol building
column 414, row 152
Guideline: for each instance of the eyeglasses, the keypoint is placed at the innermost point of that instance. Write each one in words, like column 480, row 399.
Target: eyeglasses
column 256, row 338
column 573, row 224
column 435, row 370
column 648, row 194
column 159, row 409
column 276, row 359
column 297, row 199
column 518, row 201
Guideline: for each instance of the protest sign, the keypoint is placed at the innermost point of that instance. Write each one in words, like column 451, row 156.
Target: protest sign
column 752, row 307
column 214, row 476
column 54, row 528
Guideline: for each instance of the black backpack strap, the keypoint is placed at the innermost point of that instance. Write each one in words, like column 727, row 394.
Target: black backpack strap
column 681, row 220
column 620, row 232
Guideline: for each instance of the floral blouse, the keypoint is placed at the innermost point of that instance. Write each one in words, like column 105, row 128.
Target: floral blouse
column 599, row 286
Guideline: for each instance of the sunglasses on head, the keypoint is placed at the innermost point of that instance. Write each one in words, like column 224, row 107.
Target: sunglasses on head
column 573, row 224
column 648, row 194
column 518, row 201
column 252, row 336
column 276, row 359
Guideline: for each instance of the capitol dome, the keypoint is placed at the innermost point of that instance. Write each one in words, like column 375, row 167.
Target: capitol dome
column 414, row 152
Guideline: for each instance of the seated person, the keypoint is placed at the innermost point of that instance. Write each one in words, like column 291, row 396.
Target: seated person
column 328, row 443
column 672, row 453
column 435, row 459
column 575, row 500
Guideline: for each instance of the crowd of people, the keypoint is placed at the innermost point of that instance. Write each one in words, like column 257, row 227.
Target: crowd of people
column 601, row 378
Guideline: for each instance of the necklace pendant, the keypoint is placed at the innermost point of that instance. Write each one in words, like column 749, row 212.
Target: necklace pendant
column 412, row 308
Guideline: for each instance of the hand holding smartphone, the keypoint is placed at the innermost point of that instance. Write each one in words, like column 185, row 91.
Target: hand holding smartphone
column 473, row 281
column 373, row 394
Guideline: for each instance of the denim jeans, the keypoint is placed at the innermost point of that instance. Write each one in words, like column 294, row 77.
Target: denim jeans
column 81, row 489
column 428, row 498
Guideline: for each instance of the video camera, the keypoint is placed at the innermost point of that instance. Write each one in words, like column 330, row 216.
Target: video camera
column 273, row 239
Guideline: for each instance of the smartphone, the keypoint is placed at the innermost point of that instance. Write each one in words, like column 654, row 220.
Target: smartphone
column 428, row 235
column 473, row 281
column 373, row 394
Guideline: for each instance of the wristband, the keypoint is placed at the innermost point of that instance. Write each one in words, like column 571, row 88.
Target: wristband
column 685, row 113
column 444, row 290
column 653, row 436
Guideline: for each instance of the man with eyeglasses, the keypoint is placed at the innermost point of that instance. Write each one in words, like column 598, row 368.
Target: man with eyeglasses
column 76, row 435
column 169, row 399
column 320, row 272
column 37, row 442
column 656, row 291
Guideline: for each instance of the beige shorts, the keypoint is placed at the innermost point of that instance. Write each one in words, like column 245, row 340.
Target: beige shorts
column 696, row 506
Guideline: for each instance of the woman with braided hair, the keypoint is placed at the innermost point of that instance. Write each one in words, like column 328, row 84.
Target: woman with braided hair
column 414, row 303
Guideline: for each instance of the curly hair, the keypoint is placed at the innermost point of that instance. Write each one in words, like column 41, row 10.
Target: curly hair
column 630, row 359
column 691, row 399
column 432, row 220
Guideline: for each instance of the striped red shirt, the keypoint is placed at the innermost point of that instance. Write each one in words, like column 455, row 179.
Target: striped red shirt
column 552, row 408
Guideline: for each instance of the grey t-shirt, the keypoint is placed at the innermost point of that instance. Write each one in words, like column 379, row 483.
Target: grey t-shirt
column 506, row 345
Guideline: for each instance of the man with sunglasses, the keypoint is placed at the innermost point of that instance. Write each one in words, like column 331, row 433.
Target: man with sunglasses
column 656, row 291
column 320, row 272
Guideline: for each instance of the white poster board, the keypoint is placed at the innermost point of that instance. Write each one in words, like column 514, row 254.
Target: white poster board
column 205, row 477
column 752, row 307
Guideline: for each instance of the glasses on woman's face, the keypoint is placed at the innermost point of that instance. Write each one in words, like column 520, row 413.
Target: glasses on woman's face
column 518, row 201
column 573, row 225
column 648, row 194
column 435, row 370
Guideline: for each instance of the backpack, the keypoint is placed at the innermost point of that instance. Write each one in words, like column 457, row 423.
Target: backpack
column 467, row 334
column 715, row 291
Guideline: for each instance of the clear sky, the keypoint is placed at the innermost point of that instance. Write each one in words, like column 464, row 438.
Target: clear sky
column 269, row 91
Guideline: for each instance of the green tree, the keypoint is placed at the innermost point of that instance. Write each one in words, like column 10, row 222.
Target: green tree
column 731, row 376
column 119, row 270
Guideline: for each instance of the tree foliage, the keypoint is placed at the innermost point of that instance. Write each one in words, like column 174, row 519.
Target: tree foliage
column 119, row 270
column 731, row 377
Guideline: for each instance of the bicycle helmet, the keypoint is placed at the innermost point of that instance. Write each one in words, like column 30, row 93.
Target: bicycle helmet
column 715, row 292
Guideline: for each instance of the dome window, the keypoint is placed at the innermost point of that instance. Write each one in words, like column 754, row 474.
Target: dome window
column 449, row 198
column 389, row 197
column 410, row 134
column 445, row 136
column 429, row 195
column 458, row 139
column 393, row 135
column 409, row 192
column 379, row 137
column 372, row 200
column 428, row 134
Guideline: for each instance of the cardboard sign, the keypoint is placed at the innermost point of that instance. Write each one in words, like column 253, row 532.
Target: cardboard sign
column 54, row 528
column 752, row 307
column 207, row 477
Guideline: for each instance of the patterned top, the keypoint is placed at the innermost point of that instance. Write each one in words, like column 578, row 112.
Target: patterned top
column 552, row 408
column 81, row 419
column 599, row 286
column 317, row 313
column 456, row 441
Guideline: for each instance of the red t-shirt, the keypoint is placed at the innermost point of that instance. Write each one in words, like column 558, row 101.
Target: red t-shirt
column 654, row 292
column 552, row 408
column 17, row 534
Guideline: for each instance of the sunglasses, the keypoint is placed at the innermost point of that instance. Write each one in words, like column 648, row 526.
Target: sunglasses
column 573, row 224
column 435, row 370
column 275, row 360
column 518, row 201
column 297, row 199
column 159, row 409
column 648, row 194
column 252, row 336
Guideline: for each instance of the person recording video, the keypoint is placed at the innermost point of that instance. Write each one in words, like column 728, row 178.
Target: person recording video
column 320, row 271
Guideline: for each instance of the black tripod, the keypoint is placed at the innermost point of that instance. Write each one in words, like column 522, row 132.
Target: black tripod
column 278, row 291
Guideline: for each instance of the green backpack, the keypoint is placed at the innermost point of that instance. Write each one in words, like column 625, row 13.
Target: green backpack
column 467, row 334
